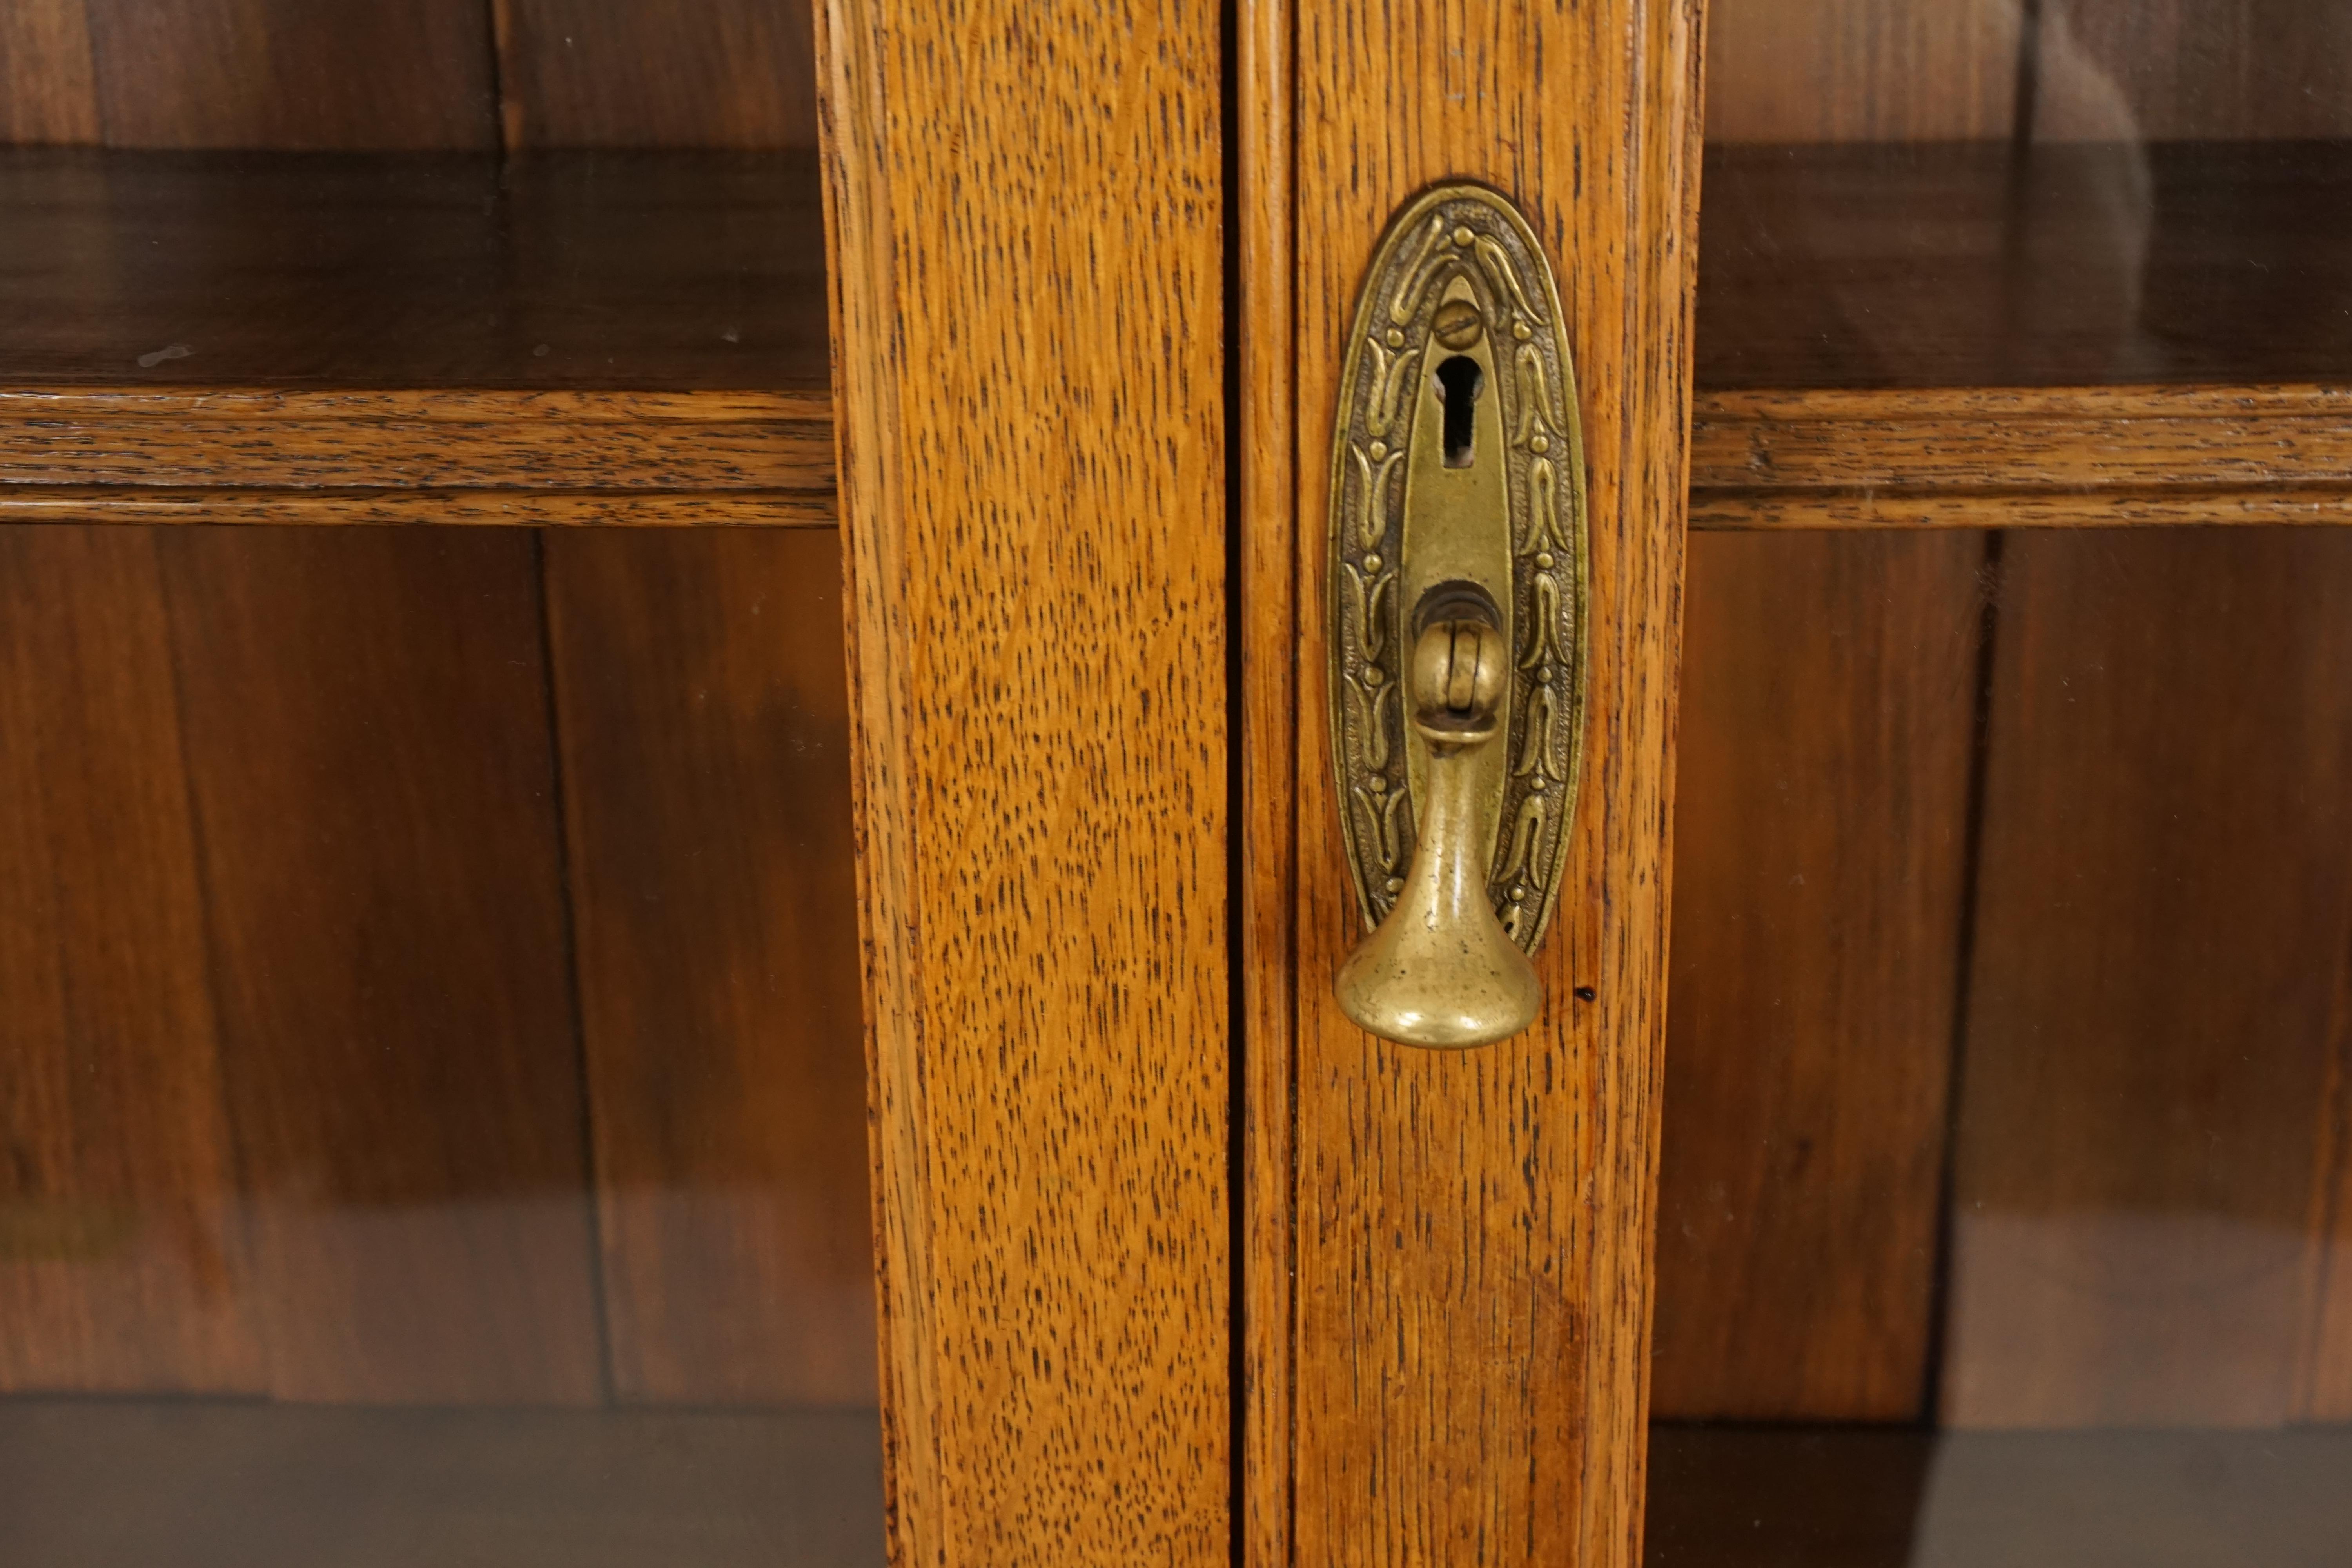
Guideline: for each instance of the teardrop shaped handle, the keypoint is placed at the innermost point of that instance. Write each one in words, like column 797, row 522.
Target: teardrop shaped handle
column 1439, row 970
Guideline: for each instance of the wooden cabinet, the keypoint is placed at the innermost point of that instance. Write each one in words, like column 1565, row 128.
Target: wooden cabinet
column 669, row 868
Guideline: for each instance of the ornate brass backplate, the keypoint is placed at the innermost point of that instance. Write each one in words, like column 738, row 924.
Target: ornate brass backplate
column 1430, row 492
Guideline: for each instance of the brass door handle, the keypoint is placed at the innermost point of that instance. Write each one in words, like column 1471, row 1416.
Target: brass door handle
column 1441, row 970
column 1456, row 646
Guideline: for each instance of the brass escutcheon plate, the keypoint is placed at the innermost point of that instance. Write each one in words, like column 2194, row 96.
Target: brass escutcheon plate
column 1459, row 273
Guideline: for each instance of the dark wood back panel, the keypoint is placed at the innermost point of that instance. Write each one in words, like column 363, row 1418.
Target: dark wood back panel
column 1820, row 879
column 705, row 766
column 407, row 75
column 2163, row 933
column 2106, row 70
column 2151, row 1168
column 381, row 1181
column 47, row 94
column 122, row 1261
column 1861, row 70
column 2175, row 70
column 1766, row 1137
column 2326, row 1369
column 298, row 74
column 654, row 73
column 373, row 780
column 302, row 824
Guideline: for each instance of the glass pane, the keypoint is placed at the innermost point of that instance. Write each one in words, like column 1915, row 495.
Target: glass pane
column 2006, row 1208
column 1985, row 193
column 431, row 1080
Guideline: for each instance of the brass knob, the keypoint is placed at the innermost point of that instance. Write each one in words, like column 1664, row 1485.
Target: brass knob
column 1441, row 970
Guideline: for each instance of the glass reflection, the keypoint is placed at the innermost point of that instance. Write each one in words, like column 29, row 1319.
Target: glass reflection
column 2008, row 1136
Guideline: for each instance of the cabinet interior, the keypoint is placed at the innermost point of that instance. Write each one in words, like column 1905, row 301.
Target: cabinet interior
column 2004, row 1183
column 434, row 1079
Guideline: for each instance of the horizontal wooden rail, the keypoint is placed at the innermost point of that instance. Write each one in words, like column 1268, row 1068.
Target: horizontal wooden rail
column 620, row 458
column 477, row 507
column 2022, row 458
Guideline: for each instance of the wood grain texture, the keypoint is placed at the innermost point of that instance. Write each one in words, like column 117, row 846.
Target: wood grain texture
column 396, row 441
column 603, row 271
column 2071, row 439
column 2174, row 70
column 120, row 1262
column 1974, row 458
column 381, row 75
column 1821, row 832
column 1955, row 265
column 1861, row 70
column 1037, row 663
column 47, row 93
column 684, row 270
column 375, row 75
column 703, row 712
column 2267, row 505
column 2164, row 919
column 412, row 406
column 486, row 509
column 1264, row 198
column 2325, row 1377
column 372, row 773
column 640, row 73
column 1469, row 1345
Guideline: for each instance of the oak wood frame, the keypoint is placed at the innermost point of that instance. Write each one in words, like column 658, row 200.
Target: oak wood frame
column 1446, row 1274
column 263, row 454
column 2088, row 457
column 1027, row 303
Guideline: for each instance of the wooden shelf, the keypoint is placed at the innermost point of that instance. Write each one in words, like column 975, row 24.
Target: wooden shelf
column 699, row 271
column 2088, row 457
column 1952, row 334
column 1861, row 1497
column 1917, row 335
column 1959, row 264
column 592, row 337
column 294, row 1486
column 259, row 455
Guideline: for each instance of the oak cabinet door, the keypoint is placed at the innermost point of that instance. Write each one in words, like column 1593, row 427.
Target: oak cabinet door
column 1445, row 1308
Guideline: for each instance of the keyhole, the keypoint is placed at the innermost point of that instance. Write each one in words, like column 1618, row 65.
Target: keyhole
column 1457, row 382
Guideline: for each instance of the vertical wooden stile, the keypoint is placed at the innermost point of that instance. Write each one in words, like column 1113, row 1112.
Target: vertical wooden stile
column 1453, row 1287
column 1024, row 206
column 1265, row 447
